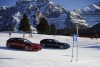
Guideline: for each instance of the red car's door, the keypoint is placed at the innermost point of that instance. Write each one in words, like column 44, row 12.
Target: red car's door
column 17, row 43
column 21, row 44
column 13, row 43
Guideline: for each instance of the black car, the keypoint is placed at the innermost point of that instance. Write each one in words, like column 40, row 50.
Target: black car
column 54, row 43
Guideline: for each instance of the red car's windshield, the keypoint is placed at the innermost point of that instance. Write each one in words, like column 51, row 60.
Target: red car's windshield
column 27, row 41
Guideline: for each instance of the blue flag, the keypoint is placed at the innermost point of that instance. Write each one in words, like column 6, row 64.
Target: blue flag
column 74, row 37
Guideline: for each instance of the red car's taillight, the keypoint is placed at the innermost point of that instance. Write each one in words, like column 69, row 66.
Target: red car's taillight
column 37, row 46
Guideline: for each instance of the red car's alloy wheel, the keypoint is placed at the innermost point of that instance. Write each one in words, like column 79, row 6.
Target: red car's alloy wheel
column 26, row 48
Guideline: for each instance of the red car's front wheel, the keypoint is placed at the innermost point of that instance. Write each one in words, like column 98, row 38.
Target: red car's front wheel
column 26, row 48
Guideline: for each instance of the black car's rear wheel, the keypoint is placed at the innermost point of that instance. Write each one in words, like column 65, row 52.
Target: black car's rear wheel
column 61, row 47
column 43, row 45
column 8, row 45
column 26, row 48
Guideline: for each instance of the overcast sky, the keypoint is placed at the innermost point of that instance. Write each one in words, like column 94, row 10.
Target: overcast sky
column 68, row 4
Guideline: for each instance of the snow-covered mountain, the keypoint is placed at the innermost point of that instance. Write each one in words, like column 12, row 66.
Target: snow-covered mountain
column 56, row 14
column 90, row 13
column 3, row 7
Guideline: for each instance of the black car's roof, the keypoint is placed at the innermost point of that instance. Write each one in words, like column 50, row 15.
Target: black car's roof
column 17, row 38
column 48, row 39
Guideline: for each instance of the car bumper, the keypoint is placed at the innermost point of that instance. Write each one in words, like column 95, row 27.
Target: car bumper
column 35, row 49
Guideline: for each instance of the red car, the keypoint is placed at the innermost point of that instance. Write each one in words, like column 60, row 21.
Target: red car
column 22, row 43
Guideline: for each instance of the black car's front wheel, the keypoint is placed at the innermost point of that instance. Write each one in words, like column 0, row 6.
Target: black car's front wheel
column 62, row 47
column 8, row 45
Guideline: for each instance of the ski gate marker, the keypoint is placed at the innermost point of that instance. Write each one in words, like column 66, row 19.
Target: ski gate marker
column 75, row 40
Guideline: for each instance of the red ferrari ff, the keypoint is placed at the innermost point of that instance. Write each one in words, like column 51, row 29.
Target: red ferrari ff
column 22, row 43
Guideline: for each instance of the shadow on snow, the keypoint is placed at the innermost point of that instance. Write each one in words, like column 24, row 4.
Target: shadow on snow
column 53, row 48
column 94, row 45
column 6, row 58
column 13, row 49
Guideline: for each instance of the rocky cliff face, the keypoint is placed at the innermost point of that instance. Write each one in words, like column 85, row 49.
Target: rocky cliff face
column 90, row 13
column 56, row 14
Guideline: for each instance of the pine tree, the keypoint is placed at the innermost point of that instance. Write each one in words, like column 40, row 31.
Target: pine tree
column 53, row 29
column 43, row 27
column 24, row 25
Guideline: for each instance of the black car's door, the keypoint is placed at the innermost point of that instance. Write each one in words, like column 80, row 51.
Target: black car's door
column 56, row 43
column 51, row 43
column 46, row 42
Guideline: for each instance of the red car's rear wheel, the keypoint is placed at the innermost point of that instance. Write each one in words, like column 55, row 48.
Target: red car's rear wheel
column 8, row 45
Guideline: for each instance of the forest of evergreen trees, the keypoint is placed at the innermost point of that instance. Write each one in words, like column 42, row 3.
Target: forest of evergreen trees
column 45, row 28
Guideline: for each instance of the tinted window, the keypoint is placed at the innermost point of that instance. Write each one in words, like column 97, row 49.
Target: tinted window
column 55, row 41
column 48, row 40
column 27, row 41
column 12, row 39
column 20, row 40
column 16, row 40
column 52, row 41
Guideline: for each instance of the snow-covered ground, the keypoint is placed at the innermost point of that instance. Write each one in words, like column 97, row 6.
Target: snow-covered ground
column 89, row 53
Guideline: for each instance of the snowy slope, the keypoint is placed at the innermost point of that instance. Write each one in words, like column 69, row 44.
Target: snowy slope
column 90, row 13
column 89, row 53
column 54, row 13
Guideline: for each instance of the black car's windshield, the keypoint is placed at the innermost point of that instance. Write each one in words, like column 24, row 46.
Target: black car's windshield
column 27, row 41
column 55, row 40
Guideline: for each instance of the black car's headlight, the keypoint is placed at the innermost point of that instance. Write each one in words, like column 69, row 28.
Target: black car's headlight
column 67, row 45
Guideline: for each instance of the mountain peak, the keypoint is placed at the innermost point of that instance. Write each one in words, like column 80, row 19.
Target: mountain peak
column 91, row 13
column 19, row 1
column 36, row 2
column 54, row 13
column 3, row 7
